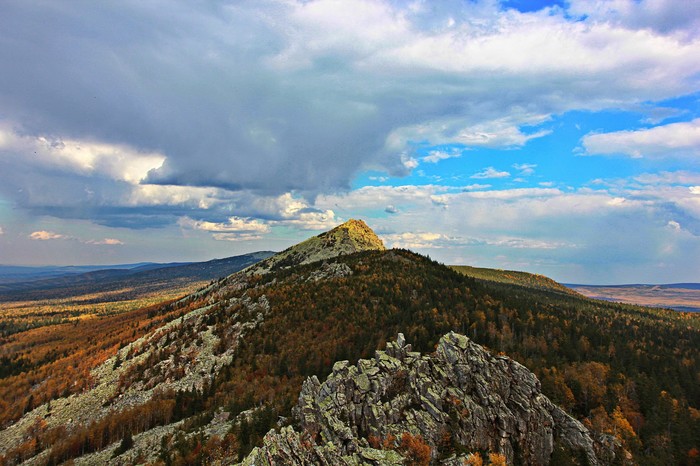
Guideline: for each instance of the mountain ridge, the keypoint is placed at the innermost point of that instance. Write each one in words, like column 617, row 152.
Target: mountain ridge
column 224, row 363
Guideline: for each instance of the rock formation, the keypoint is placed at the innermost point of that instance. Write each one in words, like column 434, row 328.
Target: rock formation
column 460, row 399
column 347, row 238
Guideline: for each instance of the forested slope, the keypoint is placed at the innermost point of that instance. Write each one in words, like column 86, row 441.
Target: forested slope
column 628, row 371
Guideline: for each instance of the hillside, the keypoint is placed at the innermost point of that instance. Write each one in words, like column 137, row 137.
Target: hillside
column 101, row 293
column 207, row 376
column 511, row 277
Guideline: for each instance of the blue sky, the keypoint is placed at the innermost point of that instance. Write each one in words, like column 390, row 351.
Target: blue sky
column 557, row 137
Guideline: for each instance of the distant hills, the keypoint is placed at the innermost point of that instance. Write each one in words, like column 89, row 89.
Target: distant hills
column 512, row 277
column 59, row 282
column 18, row 273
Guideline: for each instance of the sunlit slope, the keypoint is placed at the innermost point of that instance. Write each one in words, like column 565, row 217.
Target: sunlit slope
column 511, row 277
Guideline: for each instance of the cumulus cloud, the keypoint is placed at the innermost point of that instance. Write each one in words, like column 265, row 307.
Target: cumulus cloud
column 672, row 140
column 234, row 224
column 490, row 172
column 292, row 96
column 390, row 209
column 265, row 112
column 235, row 229
column 117, row 161
column 43, row 235
column 411, row 240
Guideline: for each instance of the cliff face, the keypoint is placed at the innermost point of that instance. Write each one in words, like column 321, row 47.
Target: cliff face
column 459, row 399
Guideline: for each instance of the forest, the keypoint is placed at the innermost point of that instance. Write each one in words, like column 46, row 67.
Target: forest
column 629, row 371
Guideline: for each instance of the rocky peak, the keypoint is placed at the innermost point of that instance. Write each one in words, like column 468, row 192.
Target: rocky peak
column 355, row 234
column 347, row 238
column 458, row 400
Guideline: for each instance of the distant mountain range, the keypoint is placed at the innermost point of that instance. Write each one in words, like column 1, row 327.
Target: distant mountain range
column 55, row 282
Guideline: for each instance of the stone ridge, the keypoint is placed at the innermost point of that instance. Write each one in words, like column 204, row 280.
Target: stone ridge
column 478, row 402
column 347, row 238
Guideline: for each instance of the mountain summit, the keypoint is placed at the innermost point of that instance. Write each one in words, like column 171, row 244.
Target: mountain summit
column 347, row 238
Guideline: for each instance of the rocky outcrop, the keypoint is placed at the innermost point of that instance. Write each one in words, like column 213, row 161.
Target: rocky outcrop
column 347, row 238
column 461, row 398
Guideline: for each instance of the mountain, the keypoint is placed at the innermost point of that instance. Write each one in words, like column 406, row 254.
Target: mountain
column 347, row 238
column 205, row 378
column 145, row 275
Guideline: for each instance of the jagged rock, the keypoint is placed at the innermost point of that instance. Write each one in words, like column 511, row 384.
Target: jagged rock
column 461, row 395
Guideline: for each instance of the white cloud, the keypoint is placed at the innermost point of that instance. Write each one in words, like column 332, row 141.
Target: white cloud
column 293, row 96
column 525, row 169
column 440, row 200
column 475, row 187
column 43, row 235
column 411, row 240
column 695, row 189
column 436, row 156
column 118, row 161
column 234, row 225
column 2, row 232
column 106, row 241
column 390, row 209
column 672, row 140
column 157, row 195
column 676, row 177
column 490, row 172
column 236, row 236
column 673, row 225
column 46, row 235
column 500, row 133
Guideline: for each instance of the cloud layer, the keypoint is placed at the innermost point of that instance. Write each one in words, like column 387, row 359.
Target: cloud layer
column 246, row 122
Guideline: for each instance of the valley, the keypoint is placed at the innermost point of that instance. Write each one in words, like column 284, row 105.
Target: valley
column 684, row 297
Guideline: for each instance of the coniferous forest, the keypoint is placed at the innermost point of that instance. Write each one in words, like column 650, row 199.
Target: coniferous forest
column 628, row 371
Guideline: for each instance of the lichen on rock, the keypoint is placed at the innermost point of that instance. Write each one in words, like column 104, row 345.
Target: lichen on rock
column 460, row 398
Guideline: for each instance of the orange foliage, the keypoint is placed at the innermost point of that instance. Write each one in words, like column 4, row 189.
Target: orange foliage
column 414, row 448
column 61, row 356
column 497, row 459
column 474, row 459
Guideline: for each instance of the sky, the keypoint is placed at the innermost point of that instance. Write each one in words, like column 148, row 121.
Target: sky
column 556, row 137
